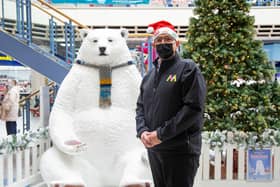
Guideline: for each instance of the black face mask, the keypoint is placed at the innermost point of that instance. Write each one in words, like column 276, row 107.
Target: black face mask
column 164, row 50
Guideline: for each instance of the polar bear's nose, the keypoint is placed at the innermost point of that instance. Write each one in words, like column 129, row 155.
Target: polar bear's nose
column 102, row 49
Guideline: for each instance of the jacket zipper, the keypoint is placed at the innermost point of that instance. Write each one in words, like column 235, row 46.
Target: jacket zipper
column 155, row 86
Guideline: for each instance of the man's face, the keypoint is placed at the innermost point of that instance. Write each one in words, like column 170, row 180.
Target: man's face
column 165, row 39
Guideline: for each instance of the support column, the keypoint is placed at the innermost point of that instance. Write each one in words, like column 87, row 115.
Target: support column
column 44, row 106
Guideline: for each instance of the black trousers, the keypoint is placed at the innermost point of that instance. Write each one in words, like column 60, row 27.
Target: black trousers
column 11, row 127
column 173, row 170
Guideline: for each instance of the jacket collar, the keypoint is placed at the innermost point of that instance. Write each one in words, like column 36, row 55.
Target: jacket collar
column 165, row 64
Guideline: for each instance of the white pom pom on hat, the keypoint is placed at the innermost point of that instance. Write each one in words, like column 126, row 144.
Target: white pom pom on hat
column 162, row 27
column 150, row 30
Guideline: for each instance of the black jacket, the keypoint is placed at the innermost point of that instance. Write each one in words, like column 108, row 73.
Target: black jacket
column 171, row 101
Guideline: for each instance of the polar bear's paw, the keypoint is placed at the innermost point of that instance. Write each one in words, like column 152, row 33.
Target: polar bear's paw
column 146, row 184
column 66, row 184
column 74, row 146
column 140, row 183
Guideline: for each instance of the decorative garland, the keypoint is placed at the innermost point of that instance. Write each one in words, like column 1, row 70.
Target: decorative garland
column 13, row 143
column 269, row 138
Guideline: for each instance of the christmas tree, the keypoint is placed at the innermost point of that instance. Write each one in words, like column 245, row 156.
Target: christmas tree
column 241, row 92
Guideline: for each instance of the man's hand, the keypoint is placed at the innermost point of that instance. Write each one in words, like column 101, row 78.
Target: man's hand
column 153, row 138
column 145, row 140
column 150, row 139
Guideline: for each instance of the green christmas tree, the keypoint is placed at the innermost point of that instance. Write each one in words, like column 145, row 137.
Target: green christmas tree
column 241, row 92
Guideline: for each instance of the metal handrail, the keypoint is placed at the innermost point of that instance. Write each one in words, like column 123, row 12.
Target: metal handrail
column 146, row 35
column 69, row 30
column 62, row 14
column 26, row 109
column 22, row 101
column 50, row 14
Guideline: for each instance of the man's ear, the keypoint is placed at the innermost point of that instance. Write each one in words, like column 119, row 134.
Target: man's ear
column 177, row 43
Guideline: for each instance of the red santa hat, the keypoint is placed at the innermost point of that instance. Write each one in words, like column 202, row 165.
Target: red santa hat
column 162, row 27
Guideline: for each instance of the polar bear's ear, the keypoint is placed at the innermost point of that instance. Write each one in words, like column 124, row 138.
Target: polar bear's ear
column 84, row 33
column 124, row 33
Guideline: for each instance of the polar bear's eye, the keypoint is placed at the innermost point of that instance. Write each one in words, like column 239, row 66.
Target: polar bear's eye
column 110, row 40
column 95, row 41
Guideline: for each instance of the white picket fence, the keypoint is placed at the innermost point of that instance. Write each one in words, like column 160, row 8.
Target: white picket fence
column 219, row 169
column 21, row 168
column 216, row 169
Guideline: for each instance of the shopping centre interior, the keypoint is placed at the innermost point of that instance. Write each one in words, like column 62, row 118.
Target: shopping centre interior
column 39, row 41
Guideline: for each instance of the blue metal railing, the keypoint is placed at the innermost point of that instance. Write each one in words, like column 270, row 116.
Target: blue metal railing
column 29, row 21
column 146, row 48
column 26, row 108
column 24, row 33
column 150, row 53
column 24, row 30
column 24, row 20
column 142, row 59
column 53, row 93
column 3, row 15
column 52, row 31
column 69, row 29
column 19, row 18
column 26, row 116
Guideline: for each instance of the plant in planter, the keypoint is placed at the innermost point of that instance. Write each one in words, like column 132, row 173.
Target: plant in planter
column 13, row 143
column 241, row 93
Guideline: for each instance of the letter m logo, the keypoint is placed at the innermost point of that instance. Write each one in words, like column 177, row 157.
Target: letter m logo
column 171, row 78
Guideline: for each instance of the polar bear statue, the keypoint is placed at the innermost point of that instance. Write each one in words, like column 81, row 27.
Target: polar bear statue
column 92, row 123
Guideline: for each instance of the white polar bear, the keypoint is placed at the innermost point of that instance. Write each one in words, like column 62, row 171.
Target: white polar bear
column 94, row 146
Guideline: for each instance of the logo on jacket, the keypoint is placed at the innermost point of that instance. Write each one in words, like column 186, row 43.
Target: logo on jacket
column 171, row 78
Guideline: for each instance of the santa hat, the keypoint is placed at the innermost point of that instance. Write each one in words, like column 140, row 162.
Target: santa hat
column 162, row 27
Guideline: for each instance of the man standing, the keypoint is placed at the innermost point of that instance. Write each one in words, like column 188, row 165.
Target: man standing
column 169, row 114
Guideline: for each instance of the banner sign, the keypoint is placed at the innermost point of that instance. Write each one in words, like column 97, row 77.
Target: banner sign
column 8, row 61
column 103, row 2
